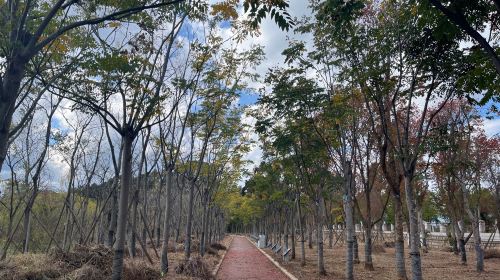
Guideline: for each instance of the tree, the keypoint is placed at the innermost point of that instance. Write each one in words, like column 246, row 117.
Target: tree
column 471, row 19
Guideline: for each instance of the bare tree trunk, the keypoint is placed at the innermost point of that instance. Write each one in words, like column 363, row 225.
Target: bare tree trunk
column 477, row 246
column 399, row 243
column 126, row 175
column 292, row 228
column 319, row 234
column 330, row 235
column 355, row 250
column 286, row 230
column 310, row 234
column 204, row 222
column 179, row 220
column 459, row 231
column 11, row 83
column 349, row 220
column 27, row 227
column 166, row 224
column 189, row 220
column 158, row 217
column 301, row 229
column 368, row 244
column 135, row 202
column 416, row 264
column 474, row 217
column 113, row 215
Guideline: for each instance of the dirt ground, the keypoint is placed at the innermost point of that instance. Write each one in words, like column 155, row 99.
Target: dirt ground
column 436, row 264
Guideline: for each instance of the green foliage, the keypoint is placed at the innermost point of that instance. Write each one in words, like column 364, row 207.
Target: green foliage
column 277, row 9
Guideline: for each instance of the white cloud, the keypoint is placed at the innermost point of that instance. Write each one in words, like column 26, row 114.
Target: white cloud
column 492, row 127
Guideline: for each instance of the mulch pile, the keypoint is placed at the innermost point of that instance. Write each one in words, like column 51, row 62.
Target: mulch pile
column 194, row 267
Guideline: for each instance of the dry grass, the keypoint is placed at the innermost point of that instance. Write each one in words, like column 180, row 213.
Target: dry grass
column 218, row 246
column 436, row 264
column 194, row 267
column 212, row 251
column 378, row 248
column 30, row 266
column 492, row 254
column 94, row 263
column 140, row 270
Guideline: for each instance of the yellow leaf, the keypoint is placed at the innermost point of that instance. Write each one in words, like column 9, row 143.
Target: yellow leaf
column 114, row 24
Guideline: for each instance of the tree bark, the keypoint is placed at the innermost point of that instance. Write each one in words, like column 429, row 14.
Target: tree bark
column 319, row 236
column 126, row 176
column 11, row 83
column 166, row 224
column 113, row 215
column 416, row 264
column 349, row 220
column 301, row 229
column 399, row 243
column 187, row 241
column 368, row 245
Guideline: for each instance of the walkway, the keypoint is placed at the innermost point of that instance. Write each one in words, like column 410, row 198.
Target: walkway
column 245, row 261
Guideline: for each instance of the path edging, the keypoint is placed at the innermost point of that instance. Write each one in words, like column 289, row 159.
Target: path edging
column 217, row 267
column 288, row 274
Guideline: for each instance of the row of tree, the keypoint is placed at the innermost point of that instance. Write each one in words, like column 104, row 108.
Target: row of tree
column 125, row 115
column 381, row 115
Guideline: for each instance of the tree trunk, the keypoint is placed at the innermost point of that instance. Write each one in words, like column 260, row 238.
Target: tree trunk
column 204, row 222
column 497, row 203
column 355, row 250
column 126, row 175
column 11, row 83
column 158, row 219
column 477, row 246
column 27, row 227
column 179, row 220
column 301, row 229
column 187, row 241
column 292, row 229
column 330, row 236
column 459, row 231
column 113, row 215
column 421, row 227
column 166, row 224
column 416, row 265
column 286, row 228
column 349, row 220
column 133, row 236
column 319, row 236
column 368, row 245
column 310, row 236
column 399, row 243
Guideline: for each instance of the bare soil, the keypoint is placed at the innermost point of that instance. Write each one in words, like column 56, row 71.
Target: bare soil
column 436, row 264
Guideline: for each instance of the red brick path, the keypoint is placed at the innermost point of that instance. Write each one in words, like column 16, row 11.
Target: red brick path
column 244, row 261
